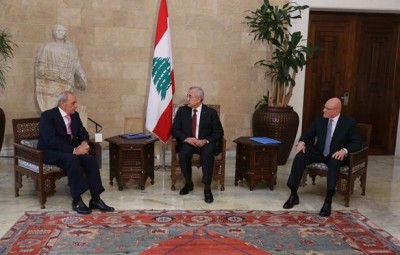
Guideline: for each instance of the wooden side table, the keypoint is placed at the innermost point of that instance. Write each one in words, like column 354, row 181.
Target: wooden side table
column 255, row 161
column 131, row 159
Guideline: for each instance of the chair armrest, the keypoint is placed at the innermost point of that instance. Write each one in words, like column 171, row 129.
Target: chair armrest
column 28, row 154
column 223, row 148
column 359, row 157
column 92, row 147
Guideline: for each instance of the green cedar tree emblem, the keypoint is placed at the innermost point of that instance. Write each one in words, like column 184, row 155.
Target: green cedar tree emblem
column 161, row 75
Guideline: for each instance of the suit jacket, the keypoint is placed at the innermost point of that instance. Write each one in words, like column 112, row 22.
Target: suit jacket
column 344, row 136
column 53, row 135
column 210, row 126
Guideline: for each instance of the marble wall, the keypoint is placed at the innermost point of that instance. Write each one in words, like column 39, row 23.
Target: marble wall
column 115, row 38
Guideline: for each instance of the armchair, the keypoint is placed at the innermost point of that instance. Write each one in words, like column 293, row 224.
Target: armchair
column 355, row 169
column 28, row 161
column 219, row 161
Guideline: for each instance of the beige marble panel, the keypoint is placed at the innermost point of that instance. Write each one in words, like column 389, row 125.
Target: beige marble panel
column 106, row 4
column 44, row 12
column 12, row 11
column 69, row 17
column 74, row 4
column 139, row 5
column 135, row 70
column 134, row 37
column 182, row 39
column 106, row 69
column 93, row 18
column 134, row 125
column 208, row 7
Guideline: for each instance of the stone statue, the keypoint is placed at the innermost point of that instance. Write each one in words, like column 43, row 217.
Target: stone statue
column 57, row 69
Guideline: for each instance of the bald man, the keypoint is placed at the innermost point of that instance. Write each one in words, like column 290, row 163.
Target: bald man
column 329, row 140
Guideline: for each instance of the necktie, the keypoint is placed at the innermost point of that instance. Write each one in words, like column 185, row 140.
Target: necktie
column 194, row 123
column 328, row 138
column 68, row 124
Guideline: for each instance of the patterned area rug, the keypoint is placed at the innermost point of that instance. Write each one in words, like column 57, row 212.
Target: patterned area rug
column 196, row 232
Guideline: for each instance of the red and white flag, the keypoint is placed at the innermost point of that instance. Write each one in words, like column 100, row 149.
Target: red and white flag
column 162, row 84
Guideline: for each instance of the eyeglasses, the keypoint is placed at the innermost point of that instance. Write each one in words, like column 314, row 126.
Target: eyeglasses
column 191, row 96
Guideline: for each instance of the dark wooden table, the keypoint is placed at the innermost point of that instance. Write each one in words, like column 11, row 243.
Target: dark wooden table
column 255, row 161
column 131, row 159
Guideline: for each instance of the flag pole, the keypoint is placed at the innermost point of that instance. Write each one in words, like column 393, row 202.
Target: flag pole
column 163, row 166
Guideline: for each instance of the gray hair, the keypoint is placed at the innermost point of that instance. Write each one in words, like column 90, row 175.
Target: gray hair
column 63, row 96
column 199, row 92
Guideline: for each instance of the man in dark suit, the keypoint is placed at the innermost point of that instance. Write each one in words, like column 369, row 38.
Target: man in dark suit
column 329, row 140
column 197, row 128
column 64, row 141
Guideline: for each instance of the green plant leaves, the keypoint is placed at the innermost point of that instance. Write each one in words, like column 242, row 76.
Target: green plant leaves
column 270, row 24
column 6, row 52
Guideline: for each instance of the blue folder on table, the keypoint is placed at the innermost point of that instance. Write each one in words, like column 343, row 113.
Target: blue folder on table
column 265, row 140
column 136, row 136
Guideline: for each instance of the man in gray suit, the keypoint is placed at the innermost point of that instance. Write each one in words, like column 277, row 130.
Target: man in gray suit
column 197, row 129
column 329, row 140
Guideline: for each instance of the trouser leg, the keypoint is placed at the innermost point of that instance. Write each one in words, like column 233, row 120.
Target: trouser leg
column 91, row 169
column 332, row 177
column 185, row 161
column 76, row 177
column 207, row 162
column 301, row 160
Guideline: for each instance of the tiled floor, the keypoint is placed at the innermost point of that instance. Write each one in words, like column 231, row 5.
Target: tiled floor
column 381, row 203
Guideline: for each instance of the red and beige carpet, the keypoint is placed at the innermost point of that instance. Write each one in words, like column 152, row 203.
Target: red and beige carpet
column 196, row 232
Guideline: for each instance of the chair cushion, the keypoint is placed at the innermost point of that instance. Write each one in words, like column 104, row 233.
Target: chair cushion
column 31, row 143
column 343, row 169
column 323, row 167
column 33, row 167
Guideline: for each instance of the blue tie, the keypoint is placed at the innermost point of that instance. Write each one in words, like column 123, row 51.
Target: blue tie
column 328, row 138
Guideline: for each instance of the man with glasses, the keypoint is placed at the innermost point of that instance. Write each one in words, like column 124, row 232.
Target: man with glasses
column 329, row 140
column 197, row 129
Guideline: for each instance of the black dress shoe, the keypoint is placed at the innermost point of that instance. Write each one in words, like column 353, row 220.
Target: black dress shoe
column 208, row 196
column 81, row 208
column 325, row 210
column 100, row 205
column 292, row 201
column 185, row 190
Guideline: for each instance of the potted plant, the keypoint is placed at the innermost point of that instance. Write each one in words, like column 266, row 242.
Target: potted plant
column 6, row 53
column 273, row 116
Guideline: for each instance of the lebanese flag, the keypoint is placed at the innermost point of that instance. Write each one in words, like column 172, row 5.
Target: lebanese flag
column 162, row 84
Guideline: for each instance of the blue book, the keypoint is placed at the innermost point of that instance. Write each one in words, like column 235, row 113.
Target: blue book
column 136, row 136
column 265, row 140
